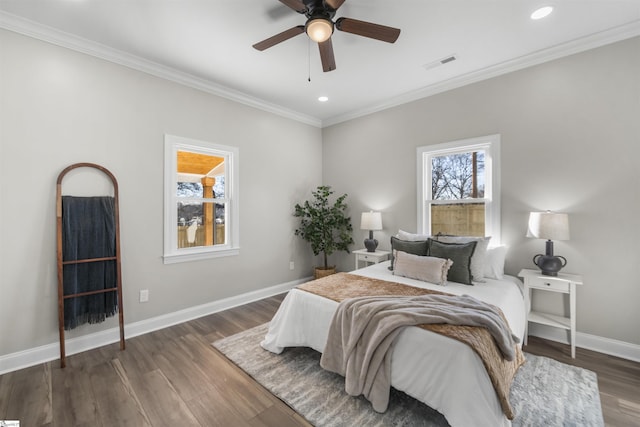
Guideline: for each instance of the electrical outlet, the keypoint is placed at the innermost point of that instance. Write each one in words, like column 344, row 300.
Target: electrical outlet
column 291, row 265
column 144, row 295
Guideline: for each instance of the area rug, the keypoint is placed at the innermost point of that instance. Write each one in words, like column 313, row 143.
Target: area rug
column 544, row 393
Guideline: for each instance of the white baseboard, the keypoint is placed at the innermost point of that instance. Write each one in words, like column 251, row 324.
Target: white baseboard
column 608, row 346
column 24, row 359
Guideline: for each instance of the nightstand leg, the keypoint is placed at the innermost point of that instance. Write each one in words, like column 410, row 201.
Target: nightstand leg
column 572, row 317
column 527, row 308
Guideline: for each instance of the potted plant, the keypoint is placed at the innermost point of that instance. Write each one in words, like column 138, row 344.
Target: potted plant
column 325, row 226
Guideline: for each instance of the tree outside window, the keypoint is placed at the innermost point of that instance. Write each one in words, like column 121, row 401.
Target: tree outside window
column 458, row 176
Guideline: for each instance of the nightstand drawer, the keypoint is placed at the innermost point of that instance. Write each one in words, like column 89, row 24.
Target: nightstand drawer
column 370, row 258
column 551, row 284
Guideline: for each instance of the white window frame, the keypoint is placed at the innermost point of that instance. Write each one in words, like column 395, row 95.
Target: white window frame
column 173, row 254
column 491, row 146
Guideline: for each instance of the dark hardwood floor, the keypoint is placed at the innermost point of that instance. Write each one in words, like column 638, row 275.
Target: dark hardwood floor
column 174, row 377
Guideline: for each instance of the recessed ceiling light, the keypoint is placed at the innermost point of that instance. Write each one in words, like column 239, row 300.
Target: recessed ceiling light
column 542, row 12
column 323, row 98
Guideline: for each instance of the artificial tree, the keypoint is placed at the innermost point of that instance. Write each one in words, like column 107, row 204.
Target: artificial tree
column 323, row 224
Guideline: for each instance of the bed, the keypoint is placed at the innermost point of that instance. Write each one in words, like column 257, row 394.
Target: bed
column 445, row 374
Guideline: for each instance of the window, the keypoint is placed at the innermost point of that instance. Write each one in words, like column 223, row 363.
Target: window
column 459, row 188
column 201, row 200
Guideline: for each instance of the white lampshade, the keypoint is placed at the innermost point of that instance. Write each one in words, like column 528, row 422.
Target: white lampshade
column 371, row 221
column 548, row 225
column 319, row 29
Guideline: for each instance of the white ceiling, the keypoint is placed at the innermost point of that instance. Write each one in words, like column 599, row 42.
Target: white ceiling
column 207, row 44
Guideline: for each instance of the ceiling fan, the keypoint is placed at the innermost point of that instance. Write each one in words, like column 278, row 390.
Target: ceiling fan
column 320, row 26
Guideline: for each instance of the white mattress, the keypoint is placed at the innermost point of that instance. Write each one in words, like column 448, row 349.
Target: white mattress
column 444, row 373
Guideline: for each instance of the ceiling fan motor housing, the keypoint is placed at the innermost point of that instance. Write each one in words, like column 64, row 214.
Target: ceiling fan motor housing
column 317, row 7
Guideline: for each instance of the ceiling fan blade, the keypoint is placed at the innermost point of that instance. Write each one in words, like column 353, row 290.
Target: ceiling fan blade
column 279, row 38
column 278, row 11
column 367, row 29
column 326, row 55
column 334, row 4
column 296, row 5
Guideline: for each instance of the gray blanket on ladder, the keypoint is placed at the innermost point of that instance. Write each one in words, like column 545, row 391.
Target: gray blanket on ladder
column 88, row 231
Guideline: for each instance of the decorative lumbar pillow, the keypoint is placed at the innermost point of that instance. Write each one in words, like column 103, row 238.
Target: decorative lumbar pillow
column 425, row 268
column 479, row 258
column 416, row 248
column 494, row 266
column 460, row 254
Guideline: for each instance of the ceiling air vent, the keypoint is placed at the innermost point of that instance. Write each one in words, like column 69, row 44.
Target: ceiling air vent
column 439, row 62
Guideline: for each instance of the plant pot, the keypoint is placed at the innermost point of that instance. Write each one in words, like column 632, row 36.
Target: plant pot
column 320, row 272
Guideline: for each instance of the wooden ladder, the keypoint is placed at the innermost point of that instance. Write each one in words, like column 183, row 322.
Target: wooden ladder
column 61, row 263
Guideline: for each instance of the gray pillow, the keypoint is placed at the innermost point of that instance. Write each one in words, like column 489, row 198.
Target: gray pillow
column 420, row 248
column 479, row 258
column 460, row 254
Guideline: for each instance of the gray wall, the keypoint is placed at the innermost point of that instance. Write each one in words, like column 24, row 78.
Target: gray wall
column 570, row 142
column 59, row 107
column 570, row 123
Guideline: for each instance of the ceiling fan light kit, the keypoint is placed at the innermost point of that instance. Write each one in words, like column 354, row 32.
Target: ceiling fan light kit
column 319, row 29
column 320, row 26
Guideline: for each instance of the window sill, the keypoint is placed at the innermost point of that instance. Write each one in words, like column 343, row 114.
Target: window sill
column 199, row 255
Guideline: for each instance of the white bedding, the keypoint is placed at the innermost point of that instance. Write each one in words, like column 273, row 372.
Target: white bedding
column 444, row 373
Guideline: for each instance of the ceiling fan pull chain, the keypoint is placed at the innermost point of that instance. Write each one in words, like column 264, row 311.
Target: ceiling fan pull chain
column 309, row 60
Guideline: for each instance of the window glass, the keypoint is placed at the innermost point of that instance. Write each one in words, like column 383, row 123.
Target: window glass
column 458, row 219
column 200, row 182
column 458, row 176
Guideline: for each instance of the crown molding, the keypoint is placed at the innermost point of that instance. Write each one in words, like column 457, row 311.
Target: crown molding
column 51, row 35
column 592, row 41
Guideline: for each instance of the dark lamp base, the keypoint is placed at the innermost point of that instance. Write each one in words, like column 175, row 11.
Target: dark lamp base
column 370, row 244
column 548, row 263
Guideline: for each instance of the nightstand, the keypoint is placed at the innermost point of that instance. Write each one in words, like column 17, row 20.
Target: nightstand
column 562, row 283
column 362, row 255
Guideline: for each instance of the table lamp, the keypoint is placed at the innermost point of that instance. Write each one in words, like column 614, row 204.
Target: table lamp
column 551, row 226
column 371, row 221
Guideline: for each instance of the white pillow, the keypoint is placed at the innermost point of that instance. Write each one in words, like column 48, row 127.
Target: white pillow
column 494, row 265
column 405, row 235
column 479, row 257
column 425, row 268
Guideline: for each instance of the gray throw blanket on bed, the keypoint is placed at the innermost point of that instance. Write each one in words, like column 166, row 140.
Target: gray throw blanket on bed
column 363, row 331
